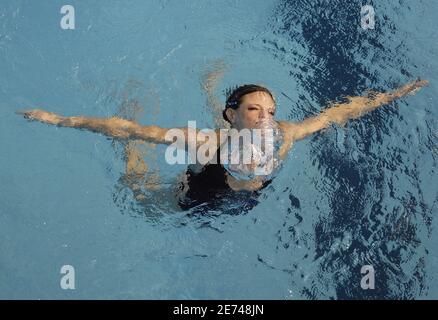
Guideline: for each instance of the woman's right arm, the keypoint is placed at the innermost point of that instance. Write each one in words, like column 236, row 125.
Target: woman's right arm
column 119, row 128
column 113, row 127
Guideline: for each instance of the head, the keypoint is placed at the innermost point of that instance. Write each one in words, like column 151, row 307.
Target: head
column 247, row 105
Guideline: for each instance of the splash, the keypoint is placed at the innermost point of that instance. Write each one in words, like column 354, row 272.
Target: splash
column 263, row 153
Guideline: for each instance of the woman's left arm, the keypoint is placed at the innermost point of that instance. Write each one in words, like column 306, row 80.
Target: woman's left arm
column 353, row 109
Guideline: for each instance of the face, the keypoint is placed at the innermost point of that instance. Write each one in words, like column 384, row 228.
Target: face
column 254, row 107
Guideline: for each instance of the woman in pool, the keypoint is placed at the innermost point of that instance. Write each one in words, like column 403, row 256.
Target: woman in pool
column 246, row 107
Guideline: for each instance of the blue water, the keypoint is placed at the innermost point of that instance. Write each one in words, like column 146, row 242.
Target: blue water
column 361, row 195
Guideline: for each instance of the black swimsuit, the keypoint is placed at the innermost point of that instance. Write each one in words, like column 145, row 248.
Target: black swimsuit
column 210, row 187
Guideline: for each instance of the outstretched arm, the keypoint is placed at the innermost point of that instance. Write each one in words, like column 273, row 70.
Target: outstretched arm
column 112, row 127
column 122, row 129
column 353, row 109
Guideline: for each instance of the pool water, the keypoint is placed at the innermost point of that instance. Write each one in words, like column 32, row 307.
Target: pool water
column 354, row 196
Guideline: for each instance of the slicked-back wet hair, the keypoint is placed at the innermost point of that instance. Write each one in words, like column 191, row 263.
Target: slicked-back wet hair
column 235, row 96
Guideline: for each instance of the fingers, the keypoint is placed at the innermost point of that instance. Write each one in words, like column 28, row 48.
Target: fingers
column 40, row 115
column 421, row 83
column 415, row 86
column 409, row 89
column 28, row 114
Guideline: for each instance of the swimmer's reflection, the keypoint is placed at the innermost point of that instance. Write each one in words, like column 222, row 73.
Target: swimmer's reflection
column 246, row 108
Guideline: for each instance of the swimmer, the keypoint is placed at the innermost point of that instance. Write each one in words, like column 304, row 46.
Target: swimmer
column 246, row 108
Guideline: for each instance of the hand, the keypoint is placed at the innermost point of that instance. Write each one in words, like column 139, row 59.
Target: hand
column 42, row 116
column 410, row 88
column 417, row 85
column 421, row 83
